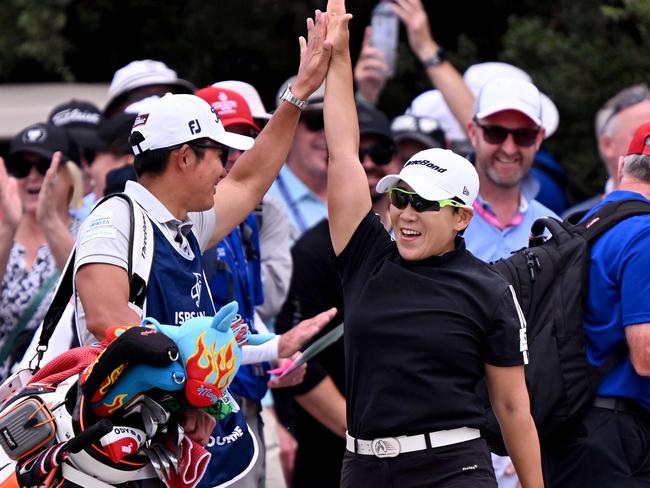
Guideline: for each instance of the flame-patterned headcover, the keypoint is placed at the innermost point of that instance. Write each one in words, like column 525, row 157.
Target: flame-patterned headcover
column 209, row 351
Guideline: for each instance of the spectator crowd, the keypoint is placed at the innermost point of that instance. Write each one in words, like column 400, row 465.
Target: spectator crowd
column 323, row 211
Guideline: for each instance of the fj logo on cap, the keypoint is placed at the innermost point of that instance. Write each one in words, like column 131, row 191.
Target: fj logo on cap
column 34, row 135
column 194, row 126
column 426, row 163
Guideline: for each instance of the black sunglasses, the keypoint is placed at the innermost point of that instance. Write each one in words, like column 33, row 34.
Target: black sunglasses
column 496, row 134
column 381, row 154
column 206, row 145
column 400, row 198
column 20, row 168
column 313, row 120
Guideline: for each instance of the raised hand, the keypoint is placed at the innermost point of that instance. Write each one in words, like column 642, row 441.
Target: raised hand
column 47, row 206
column 292, row 341
column 370, row 72
column 315, row 54
column 416, row 21
column 337, row 27
column 10, row 202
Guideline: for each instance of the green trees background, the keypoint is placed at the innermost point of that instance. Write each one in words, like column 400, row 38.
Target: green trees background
column 579, row 52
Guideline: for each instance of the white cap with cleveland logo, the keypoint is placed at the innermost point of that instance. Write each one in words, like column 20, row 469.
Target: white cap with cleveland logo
column 436, row 174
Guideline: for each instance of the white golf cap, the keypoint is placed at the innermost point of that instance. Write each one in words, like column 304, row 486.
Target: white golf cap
column 509, row 94
column 177, row 119
column 477, row 75
column 436, row 174
column 249, row 93
column 432, row 104
column 144, row 72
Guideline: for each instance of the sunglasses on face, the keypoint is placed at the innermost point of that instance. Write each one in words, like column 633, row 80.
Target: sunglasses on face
column 206, row 145
column 400, row 198
column 19, row 168
column 411, row 123
column 496, row 134
column 381, row 154
column 313, row 120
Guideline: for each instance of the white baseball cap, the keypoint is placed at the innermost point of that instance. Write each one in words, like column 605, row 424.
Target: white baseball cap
column 432, row 104
column 176, row 119
column 141, row 73
column 477, row 75
column 249, row 93
column 436, row 174
column 502, row 94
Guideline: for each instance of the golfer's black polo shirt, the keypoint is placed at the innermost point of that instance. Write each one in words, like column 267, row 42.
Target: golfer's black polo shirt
column 417, row 335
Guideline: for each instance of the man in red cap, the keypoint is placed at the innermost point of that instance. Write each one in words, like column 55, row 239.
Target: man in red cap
column 609, row 445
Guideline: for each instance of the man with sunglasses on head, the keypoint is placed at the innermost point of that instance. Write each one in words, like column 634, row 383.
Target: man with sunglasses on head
column 315, row 285
column 615, row 124
column 180, row 148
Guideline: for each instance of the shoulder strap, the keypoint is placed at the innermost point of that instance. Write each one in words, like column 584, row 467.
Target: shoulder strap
column 140, row 258
column 610, row 215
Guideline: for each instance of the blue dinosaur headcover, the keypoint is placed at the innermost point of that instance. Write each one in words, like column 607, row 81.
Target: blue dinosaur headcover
column 210, row 351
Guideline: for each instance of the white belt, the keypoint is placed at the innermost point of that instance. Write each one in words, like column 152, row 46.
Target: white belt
column 393, row 446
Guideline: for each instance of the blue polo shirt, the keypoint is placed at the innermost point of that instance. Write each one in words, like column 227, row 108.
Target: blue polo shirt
column 488, row 240
column 618, row 297
column 302, row 206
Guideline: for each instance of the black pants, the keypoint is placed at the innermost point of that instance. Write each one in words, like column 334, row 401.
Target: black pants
column 607, row 449
column 466, row 464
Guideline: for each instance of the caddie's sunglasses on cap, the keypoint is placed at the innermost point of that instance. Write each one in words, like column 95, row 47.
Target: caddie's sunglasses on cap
column 20, row 168
column 496, row 134
column 381, row 154
column 313, row 120
column 635, row 95
column 400, row 198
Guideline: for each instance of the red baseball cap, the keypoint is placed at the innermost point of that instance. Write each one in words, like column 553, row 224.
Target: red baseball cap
column 229, row 105
column 641, row 141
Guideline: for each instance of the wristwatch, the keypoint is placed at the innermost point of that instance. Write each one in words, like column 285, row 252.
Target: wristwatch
column 435, row 59
column 294, row 100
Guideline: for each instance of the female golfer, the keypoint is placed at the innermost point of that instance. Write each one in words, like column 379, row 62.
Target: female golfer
column 425, row 321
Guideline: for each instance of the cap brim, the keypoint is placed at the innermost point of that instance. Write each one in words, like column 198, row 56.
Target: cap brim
column 390, row 181
column 239, row 121
column 236, row 141
column 85, row 138
column 501, row 108
column 41, row 151
column 550, row 116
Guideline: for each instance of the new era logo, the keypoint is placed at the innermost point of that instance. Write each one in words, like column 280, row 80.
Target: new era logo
column 34, row 135
column 140, row 120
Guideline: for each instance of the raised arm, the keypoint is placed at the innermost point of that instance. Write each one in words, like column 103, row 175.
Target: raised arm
column 248, row 181
column 348, row 197
column 444, row 76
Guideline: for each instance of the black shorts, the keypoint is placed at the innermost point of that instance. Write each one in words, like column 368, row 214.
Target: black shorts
column 466, row 464
column 607, row 449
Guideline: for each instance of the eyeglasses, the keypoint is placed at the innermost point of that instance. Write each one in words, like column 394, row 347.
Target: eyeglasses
column 496, row 134
column 628, row 98
column 20, row 168
column 381, row 154
column 313, row 120
column 400, row 198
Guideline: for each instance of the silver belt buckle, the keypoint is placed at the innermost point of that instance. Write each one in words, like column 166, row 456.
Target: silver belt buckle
column 385, row 447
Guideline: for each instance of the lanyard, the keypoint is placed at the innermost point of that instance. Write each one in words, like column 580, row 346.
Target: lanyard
column 292, row 205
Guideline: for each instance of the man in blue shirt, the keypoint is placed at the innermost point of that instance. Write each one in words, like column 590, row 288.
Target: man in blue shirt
column 506, row 132
column 610, row 445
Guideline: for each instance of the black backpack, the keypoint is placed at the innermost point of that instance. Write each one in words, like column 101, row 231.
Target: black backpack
column 550, row 279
